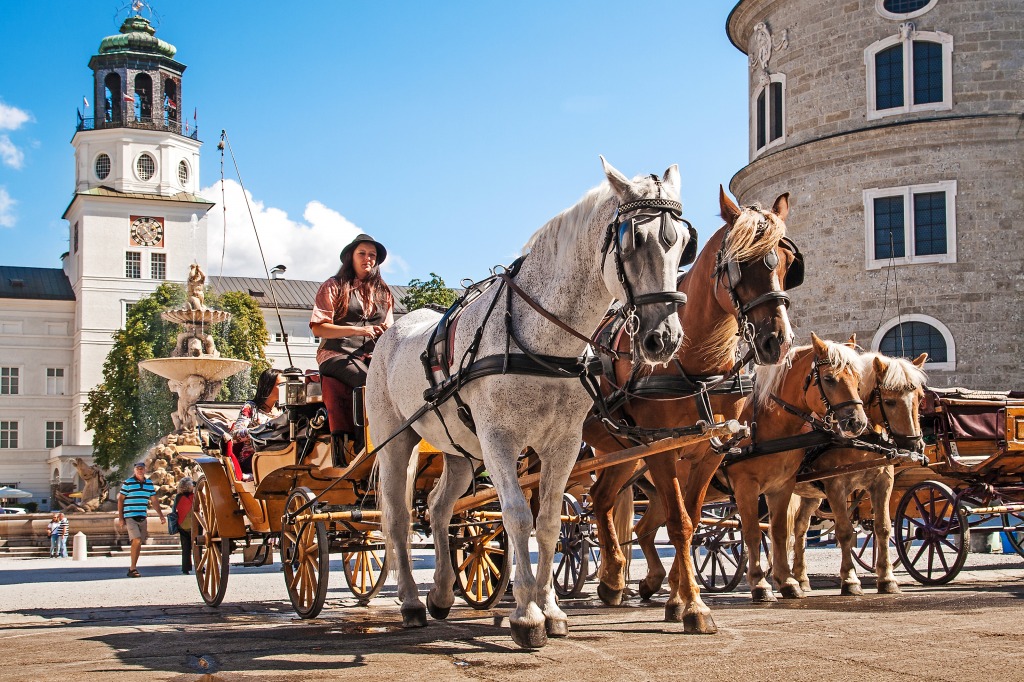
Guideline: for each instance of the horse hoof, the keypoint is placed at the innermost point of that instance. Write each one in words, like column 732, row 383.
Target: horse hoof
column 556, row 628
column 851, row 590
column 437, row 612
column 792, row 592
column 529, row 636
column 674, row 613
column 645, row 592
column 414, row 617
column 762, row 595
column 608, row 595
column 888, row 587
column 805, row 586
column 699, row 624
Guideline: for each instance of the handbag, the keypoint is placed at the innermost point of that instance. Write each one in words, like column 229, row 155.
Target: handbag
column 172, row 523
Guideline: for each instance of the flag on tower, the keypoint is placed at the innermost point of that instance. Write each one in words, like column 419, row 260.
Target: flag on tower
column 85, row 102
column 129, row 98
column 137, row 5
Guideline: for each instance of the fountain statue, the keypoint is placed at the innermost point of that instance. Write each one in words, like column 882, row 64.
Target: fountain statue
column 195, row 371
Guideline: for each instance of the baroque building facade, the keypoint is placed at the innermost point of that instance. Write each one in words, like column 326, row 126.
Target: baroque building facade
column 897, row 126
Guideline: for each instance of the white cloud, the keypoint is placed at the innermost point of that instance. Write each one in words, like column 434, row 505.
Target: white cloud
column 11, row 118
column 309, row 249
column 9, row 154
column 6, row 208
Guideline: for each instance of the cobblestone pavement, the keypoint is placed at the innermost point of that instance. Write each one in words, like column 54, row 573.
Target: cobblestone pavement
column 64, row 620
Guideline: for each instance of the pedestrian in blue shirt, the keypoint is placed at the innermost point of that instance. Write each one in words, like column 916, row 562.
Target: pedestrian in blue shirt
column 137, row 494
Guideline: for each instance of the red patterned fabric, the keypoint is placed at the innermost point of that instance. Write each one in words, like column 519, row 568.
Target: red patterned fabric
column 338, row 401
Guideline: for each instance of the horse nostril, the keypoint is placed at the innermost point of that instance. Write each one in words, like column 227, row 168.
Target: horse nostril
column 654, row 343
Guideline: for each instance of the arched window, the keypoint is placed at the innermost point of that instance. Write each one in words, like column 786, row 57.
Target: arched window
column 144, row 98
column 910, row 335
column 769, row 113
column 112, row 91
column 911, row 71
column 170, row 101
column 145, row 167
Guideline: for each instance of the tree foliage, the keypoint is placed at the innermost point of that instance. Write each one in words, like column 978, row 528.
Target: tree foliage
column 128, row 412
column 423, row 293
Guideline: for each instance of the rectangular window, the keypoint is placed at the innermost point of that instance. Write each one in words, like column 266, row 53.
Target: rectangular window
column 158, row 265
column 8, row 434
column 54, row 434
column 889, row 78
column 76, row 237
column 927, row 72
column 133, row 265
column 912, row 224
column 54, row 381
column 280, row 338
column 889, row 238
column 776, row 113
column 761, row 142
column 10, row 381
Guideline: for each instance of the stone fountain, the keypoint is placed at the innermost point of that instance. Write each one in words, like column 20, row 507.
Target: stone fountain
column 195, row 371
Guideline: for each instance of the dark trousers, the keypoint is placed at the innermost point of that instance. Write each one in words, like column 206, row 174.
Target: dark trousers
column 351, row 372
column 186, row 550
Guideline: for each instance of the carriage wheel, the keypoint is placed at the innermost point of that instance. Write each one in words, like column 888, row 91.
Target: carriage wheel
column 719, row 557
column 572, row 552
column 211, row 554
column 305, row 556
column 1015, row 537
column 931, row 533
column 479, row 552
column 864, row 549
column 365, row 563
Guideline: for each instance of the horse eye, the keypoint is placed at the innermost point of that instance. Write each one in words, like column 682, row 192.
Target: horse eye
column 830, row 379
column 890, row 403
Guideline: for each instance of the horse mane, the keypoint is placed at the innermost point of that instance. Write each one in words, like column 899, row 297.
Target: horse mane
column 902, row 376
column 754, row 233
column 769, row 378
column 564, row 229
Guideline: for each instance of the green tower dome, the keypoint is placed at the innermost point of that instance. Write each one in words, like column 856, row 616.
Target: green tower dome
column 136, row 36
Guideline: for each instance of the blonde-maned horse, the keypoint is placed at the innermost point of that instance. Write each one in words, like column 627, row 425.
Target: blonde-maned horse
column 623, row 240
column 735, row 287
column 892, row 390
column 821, row 379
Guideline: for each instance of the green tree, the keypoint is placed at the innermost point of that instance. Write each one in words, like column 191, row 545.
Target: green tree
column 423, row 293
column 128, row 412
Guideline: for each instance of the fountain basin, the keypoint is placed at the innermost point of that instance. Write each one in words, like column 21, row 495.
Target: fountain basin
column 201, row 317
column 179, row 369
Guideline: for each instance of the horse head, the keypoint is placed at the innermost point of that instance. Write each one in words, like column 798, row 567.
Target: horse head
column 894, row 398
column 645, row 243
column 754, row 268
column 832, row 386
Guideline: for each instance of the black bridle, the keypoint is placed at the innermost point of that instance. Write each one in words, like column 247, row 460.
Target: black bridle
column 876, row 396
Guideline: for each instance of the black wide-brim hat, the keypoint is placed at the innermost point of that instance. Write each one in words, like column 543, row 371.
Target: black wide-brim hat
column 382, row 252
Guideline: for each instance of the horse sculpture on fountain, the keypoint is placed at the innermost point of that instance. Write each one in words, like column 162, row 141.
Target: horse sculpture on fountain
column 521, row 346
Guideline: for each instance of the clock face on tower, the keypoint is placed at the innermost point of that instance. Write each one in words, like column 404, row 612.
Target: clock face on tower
column 147, row 231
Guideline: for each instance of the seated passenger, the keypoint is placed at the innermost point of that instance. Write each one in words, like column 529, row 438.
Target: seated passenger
column 256, row 412
column 352, row 309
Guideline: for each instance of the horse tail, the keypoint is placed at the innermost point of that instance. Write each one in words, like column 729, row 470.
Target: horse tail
column 622, row 516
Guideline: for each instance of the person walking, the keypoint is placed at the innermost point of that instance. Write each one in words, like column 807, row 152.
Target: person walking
column 182, row 508
column 64, row 528
column 137, row 494
column 53, row 530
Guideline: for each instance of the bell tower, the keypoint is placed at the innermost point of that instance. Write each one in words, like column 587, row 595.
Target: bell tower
column 135, row 219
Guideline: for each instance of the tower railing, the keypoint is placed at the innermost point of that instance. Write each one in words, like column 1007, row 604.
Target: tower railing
column 183, row 128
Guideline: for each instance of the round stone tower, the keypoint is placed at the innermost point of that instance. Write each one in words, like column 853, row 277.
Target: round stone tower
column 898, row 128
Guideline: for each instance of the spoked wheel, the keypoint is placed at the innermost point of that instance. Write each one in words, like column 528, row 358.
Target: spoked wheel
column 865, row 553
column 719, row 557
column 305, row 555
column 211, row 554
column 572, row 553
column 1015, row 521
column 931, row 533
column 365, row 562
column 479, row 551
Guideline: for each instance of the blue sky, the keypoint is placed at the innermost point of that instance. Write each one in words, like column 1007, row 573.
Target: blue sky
column 450, row 131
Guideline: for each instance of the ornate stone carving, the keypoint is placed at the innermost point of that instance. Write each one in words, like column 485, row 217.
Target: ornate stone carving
column 907, row 30
column 762, row 45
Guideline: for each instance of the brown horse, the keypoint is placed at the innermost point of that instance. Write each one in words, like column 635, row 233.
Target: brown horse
column 821, row 379
column 735, row 290
column 892, row 390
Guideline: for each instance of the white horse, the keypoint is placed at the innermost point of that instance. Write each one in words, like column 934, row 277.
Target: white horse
column 623, row 240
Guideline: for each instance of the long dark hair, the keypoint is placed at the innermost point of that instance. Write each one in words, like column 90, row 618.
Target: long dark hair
column 265, row 385
column 375, row 293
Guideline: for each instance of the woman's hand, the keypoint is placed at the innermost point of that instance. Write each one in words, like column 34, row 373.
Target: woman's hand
column 375, row 331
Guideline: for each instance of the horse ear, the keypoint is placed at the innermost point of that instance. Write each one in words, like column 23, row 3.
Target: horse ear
column 852, row 343
column 881, row 365
column 671, row 176
column 920, row 360
column 619, row 182
column 730, row 211
column 820, row 347
column 781, row 206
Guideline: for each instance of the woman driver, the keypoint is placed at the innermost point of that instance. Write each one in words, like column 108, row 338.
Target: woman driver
column 351, row 310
